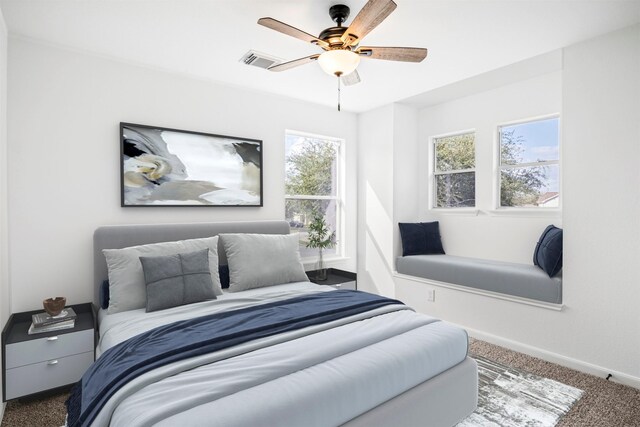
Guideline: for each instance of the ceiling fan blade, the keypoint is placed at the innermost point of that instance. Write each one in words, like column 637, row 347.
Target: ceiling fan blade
column 351, row 79
column 369, row 17
column 406, row 54
column 287, row 29
column 292, row 64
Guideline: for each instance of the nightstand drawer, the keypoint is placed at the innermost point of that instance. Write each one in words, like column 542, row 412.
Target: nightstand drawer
column 346, row 285
column 46, row 375
column 336, row 278
column 48, row 348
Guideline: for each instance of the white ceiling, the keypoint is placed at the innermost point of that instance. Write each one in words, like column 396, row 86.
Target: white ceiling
column 206, row 39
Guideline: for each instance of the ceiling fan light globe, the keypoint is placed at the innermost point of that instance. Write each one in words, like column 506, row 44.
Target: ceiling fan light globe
column 339, row 62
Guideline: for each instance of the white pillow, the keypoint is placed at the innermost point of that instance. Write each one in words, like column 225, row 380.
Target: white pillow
column 257, row 260
column 127, row 289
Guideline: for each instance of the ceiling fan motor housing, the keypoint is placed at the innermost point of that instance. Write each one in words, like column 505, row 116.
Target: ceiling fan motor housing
column 339, row 13
column 332, row 35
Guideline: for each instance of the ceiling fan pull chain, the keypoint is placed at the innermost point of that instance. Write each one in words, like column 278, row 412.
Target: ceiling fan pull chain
column 338, row 75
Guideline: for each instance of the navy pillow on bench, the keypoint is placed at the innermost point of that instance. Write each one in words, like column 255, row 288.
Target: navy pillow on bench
column 548, row 252
column 420, row 238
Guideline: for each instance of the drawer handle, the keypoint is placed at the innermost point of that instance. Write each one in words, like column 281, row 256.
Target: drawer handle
column 52, row 362
column 52, row 339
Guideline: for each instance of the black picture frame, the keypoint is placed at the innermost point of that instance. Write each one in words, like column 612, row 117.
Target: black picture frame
column 162, row 166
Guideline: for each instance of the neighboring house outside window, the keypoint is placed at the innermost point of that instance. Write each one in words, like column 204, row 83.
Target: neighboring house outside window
column 312, row 186
column 454, row 176
column 529, row 166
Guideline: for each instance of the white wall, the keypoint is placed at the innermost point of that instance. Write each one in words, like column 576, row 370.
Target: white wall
column 601, row 96
column 598, row 330
column 513, row 238
column 388, row 165
column 406, row 167
column 375, row 201
column 65, row 109
column 4, row 279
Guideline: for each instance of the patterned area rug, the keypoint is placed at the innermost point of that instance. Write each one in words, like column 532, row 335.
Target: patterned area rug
column 510, row 397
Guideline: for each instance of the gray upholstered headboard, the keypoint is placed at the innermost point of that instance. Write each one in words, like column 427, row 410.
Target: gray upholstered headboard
column 122, row 236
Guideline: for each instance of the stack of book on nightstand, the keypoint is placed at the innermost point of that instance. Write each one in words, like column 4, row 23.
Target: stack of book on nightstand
column 43, row 322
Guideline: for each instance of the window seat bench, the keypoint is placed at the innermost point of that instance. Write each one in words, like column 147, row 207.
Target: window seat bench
column 520, row 280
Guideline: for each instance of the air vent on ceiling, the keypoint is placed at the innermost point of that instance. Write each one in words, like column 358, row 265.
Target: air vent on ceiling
column 259, row 59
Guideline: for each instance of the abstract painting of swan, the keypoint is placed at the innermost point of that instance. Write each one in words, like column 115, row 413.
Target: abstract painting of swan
column 170, row 167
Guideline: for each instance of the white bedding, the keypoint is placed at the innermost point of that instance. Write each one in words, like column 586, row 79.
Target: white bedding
column 318, row 376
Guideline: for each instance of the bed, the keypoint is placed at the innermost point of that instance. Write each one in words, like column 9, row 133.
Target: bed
column 384, row 366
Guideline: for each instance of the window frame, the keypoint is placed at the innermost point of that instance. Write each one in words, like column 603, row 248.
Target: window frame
column 433, row 173
column 498, row 167
column 338, row 197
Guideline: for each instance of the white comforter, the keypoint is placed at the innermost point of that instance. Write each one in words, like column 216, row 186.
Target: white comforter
column 317, row 376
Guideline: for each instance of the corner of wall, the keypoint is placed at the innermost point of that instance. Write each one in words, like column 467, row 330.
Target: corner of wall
column 406, row 162
column 388, row 163
column 4, row 285
column 375, row 200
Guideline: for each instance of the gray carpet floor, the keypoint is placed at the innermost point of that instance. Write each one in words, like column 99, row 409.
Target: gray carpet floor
column 603, row 404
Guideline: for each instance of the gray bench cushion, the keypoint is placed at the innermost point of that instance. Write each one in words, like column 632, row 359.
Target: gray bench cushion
column 521, row 280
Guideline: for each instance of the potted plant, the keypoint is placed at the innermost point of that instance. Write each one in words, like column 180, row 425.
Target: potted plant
column 320, row 237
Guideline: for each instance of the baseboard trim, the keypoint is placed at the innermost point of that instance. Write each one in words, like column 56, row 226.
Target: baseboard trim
column 567, row 362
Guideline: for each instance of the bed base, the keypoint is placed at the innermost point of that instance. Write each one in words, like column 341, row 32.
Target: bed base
column 442, row 401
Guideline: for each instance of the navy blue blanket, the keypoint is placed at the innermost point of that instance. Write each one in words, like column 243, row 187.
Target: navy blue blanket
column 188, row 338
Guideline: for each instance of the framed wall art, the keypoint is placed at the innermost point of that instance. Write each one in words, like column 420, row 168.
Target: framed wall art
column 171, row 167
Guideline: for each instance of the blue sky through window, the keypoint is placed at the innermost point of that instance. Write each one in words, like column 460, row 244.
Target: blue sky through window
column 540, row 139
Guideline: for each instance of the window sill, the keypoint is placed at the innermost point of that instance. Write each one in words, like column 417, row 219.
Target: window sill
column 505, row 212
column 532, row 213
column 455, row 211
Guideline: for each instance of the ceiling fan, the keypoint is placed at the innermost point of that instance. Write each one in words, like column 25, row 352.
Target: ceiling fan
column 341, row 45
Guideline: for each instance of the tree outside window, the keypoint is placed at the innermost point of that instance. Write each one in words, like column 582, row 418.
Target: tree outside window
column 454, row 171
column 529, row 164
column 312, row 186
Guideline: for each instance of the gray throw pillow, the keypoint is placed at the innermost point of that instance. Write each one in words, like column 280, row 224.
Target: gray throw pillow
column 257, row 260
column 127, row 289
column 178, row 279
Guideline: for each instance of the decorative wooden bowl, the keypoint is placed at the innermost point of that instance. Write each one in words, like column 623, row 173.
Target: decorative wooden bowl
column 54, row 306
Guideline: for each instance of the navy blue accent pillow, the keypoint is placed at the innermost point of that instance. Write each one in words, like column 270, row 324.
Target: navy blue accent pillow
column 548, row 252
column 420, row 238
column 223, row 271
column 103, row 295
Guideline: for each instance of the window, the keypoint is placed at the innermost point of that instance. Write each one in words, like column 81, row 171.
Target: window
column 454, row 172
column 312, row 186
column 529, row 164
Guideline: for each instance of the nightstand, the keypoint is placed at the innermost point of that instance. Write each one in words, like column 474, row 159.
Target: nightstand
column 51, row 360
column 339, row 279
